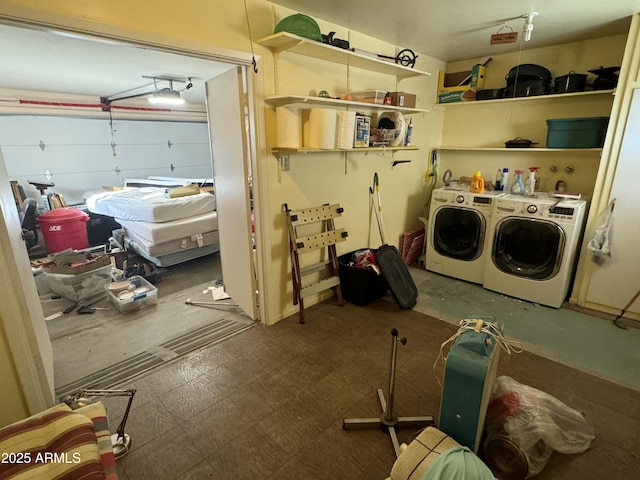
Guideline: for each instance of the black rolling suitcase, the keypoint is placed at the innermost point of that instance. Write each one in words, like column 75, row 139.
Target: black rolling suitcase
column 402, row 286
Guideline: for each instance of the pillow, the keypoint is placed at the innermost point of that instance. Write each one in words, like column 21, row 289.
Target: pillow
column 459, row 463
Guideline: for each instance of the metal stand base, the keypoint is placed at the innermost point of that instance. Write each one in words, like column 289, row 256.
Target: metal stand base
column 388, row 421
column 120, row 445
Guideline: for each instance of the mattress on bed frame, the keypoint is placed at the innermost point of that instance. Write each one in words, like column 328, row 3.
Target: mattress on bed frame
column 172, row 258
column 196, row 240
column 155, row 233
column 150, row 204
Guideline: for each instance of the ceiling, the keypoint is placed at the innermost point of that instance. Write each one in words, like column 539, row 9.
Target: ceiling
column 43, row 61
column 460, row 29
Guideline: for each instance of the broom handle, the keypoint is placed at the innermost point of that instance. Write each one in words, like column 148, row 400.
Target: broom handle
column 626, row 307
column 377, row 185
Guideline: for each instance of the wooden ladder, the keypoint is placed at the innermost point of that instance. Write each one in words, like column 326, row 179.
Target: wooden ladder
column 303, row 240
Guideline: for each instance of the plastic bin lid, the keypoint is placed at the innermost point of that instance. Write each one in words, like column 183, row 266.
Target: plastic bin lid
column 597, row 120
column 63, row 214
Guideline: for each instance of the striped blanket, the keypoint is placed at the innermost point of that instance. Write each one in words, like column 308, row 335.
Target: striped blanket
column 58, row 444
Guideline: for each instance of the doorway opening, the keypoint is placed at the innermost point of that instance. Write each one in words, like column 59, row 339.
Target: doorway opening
column 105, row 347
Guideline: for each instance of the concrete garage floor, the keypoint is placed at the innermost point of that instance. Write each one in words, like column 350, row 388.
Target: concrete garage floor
column 102, row 348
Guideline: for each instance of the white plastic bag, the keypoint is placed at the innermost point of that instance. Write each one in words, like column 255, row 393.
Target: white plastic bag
column 600, row 244
column 536, row 422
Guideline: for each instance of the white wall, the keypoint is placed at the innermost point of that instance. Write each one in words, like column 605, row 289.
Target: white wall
column 78, row 152
column 345, row 178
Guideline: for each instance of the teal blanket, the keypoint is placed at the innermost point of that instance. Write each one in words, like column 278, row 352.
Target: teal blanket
column 458, row 463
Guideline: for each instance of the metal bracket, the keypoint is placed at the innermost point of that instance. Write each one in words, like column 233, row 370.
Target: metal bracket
column 284, row 163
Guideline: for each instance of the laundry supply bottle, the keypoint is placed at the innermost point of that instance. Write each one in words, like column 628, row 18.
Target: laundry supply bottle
column 477, row 183
column 518, row 187
column 530, row 184
column 504, row 184
column 498, row 184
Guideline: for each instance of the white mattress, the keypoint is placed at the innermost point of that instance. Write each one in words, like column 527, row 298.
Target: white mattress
column 150, row 204
column 197, row 240
column 173, row 230
column 173, row 258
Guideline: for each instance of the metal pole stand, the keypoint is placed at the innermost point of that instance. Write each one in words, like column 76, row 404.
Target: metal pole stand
column 388, row 421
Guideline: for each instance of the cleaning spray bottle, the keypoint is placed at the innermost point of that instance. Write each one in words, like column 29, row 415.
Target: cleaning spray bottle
column 518, row 187
column 530, row 184
column 477, row 182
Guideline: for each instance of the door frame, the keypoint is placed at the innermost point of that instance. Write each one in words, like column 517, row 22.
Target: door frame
column 37, row 394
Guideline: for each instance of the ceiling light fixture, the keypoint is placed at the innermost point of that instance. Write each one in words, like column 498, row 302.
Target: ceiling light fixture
column 165, row 96
column 158, row 96
column 528, row 25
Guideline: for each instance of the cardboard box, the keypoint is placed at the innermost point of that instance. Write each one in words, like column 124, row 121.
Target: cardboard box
column 450, row 91
column 402, row 99
column 69, row 262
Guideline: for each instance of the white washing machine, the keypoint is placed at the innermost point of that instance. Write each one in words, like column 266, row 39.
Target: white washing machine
column 458, row 227
column 533, row 247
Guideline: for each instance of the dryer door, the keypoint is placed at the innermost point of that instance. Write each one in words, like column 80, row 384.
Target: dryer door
column 459, row 233
column 528, row 248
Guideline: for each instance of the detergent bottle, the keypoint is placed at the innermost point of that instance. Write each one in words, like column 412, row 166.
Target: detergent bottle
column 518, row 187
column 477, row 183
column 530, row 184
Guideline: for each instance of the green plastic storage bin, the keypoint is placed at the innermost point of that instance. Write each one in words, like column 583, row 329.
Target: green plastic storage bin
column 586, row 132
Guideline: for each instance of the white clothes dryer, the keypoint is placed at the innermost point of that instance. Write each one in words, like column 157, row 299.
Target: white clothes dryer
column 458, row 226
column 533, row 247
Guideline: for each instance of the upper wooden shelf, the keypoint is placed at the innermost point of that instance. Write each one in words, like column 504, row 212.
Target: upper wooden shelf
column 519, row 150
column 534, row 98
column 279, row 151
column 281, row 100
column 284, row 41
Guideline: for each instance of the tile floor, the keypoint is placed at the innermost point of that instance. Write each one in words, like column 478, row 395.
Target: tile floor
column 268, row 403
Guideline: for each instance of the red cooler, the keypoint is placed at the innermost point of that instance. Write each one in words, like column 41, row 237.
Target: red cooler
column 64, row 228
